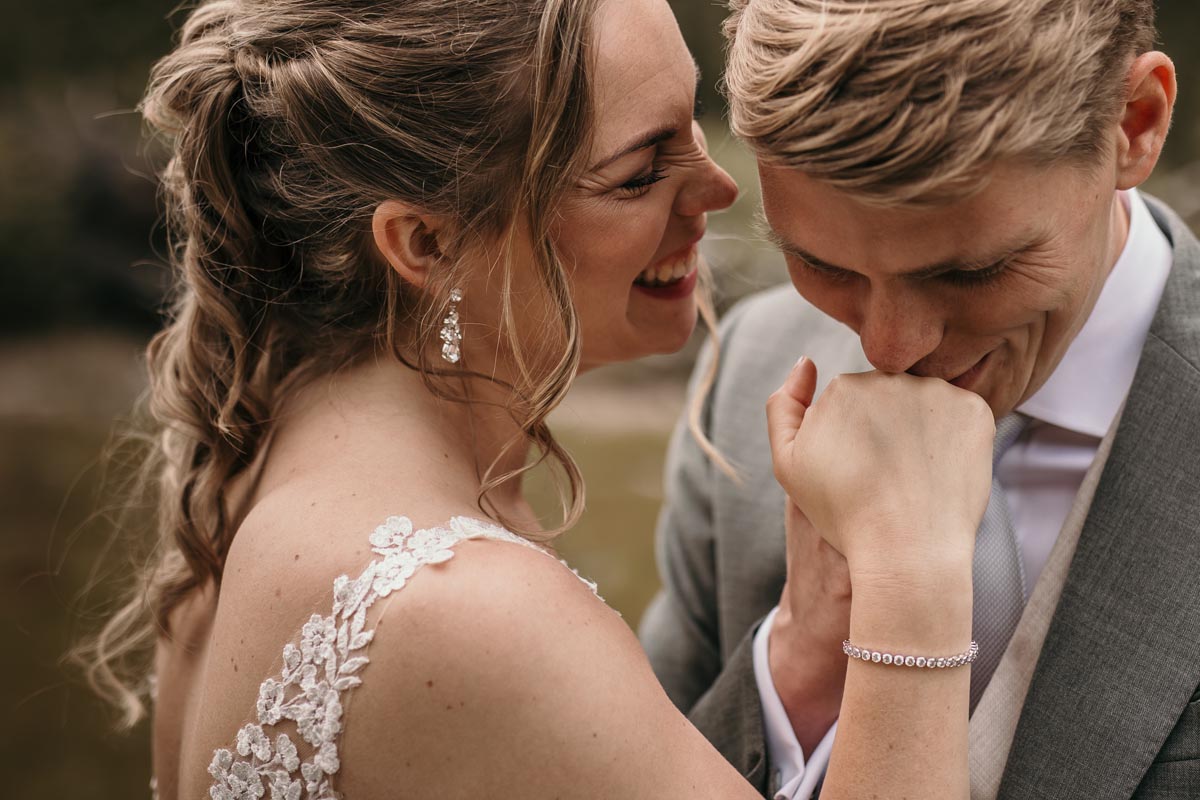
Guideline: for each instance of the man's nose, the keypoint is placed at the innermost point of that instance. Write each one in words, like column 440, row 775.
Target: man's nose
column 898, row 329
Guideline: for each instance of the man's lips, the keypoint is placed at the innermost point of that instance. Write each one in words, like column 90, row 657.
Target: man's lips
column 969, row 378
column 963, row 379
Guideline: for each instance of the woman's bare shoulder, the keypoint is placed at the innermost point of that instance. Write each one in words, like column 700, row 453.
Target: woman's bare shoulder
column 500, row 673
column 306, row 533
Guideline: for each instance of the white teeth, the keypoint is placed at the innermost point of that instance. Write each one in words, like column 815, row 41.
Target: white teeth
column 667, row 273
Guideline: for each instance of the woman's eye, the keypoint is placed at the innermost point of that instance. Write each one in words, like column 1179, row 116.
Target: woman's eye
column 699, row 109
column 642, row 183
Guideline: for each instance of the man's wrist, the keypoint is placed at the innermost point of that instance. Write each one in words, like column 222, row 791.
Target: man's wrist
column 809, row 675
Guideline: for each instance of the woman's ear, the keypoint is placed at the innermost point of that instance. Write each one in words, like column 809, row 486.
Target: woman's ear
column 1146, row 118
column 407, row 240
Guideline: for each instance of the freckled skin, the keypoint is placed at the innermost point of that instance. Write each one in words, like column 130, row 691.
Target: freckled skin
column 606, row 233
column 1025, row 317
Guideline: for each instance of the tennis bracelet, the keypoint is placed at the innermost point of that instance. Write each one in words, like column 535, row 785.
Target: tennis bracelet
column 897, row 660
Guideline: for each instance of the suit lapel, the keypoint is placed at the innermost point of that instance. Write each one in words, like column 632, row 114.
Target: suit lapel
column 1120, row 659
column 994, row 720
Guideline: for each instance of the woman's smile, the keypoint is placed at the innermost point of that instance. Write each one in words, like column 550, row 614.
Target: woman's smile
column 673, row 277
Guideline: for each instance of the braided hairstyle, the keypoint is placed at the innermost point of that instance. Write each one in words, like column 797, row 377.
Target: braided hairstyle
column 288, row 122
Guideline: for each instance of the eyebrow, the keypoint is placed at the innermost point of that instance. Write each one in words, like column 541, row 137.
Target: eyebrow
column 920, row 273
column 645, row 141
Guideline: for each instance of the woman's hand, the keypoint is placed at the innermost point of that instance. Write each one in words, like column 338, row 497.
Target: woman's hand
column 894, row 471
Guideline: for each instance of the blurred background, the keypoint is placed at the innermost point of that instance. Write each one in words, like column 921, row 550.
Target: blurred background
column 82, row 283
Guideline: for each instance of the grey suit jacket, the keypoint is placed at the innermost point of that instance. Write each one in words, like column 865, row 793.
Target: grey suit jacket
column 1113, row 710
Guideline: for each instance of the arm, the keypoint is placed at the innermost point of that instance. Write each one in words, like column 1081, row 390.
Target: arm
column 918, row 450
column 501, row 699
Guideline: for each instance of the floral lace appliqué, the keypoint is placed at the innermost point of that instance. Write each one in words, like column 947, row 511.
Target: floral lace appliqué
column 324, row 664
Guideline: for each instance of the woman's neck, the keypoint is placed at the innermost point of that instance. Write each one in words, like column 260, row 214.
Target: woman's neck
column 381, row 416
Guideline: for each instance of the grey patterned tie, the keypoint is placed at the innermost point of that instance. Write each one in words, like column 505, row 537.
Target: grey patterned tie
column 999, row 577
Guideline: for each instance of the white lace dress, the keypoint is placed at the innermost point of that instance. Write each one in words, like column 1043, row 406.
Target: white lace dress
column 323, row 663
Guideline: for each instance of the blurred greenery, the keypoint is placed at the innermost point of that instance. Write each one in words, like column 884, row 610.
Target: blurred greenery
column 80, row 269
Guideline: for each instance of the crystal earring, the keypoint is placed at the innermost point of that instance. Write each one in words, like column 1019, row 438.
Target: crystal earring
column 451, row 334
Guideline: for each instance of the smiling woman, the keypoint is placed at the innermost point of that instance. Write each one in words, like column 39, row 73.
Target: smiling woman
column 400, row 234
column 652, row 181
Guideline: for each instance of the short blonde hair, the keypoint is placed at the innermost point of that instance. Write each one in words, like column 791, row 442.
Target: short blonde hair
column 910, row 101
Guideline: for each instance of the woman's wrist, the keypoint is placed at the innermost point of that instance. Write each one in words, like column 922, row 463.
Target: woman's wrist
column 891, row 553
column 928, row 613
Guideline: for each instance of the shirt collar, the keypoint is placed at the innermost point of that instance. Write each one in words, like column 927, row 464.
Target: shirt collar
column 1086, row 390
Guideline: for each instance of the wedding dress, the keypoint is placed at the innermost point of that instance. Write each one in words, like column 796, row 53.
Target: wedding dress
column 324, row 662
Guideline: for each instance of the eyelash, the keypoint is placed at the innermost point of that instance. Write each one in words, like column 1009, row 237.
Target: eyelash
column 978, row 277
column 962, row 278
column 834, row 277
column 642, row 183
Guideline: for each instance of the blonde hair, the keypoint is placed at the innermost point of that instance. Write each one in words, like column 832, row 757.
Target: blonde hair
column 288, row 123
column 910, row 101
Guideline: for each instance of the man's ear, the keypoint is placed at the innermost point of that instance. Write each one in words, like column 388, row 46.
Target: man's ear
column 407, row 240
column 1146, row 119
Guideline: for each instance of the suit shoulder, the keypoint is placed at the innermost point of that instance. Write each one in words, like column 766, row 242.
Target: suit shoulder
column 764, row 334
column 769, row 308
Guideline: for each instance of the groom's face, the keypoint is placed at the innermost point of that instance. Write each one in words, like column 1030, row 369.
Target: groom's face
column 986, row 293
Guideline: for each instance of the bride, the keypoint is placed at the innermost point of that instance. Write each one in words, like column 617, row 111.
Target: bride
column 401, row 229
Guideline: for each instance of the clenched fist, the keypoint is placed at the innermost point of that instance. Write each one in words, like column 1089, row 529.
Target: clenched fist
column 894, row 471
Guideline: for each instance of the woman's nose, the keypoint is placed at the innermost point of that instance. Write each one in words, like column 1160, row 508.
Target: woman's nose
column 711, row 188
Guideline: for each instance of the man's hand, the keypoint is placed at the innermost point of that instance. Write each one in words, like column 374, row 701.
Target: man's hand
column 805, row 655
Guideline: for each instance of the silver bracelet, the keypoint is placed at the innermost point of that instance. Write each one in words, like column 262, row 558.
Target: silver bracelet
column 925, row 662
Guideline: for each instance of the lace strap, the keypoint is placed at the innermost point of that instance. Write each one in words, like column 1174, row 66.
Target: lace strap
column 327, row 662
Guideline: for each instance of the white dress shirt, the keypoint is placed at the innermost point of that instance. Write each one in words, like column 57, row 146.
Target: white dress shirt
column 1042, row 472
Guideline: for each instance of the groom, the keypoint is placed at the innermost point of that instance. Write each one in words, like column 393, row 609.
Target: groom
column 953, row 186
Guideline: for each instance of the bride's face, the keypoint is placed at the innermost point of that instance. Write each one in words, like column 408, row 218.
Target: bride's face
column 628, row 231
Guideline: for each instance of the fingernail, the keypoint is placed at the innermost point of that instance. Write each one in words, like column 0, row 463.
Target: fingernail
column 800, row 362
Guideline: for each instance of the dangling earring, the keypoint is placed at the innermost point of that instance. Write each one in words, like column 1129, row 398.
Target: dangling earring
column 451, row 334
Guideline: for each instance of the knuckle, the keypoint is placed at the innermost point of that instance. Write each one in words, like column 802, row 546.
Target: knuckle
column 979, row 408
